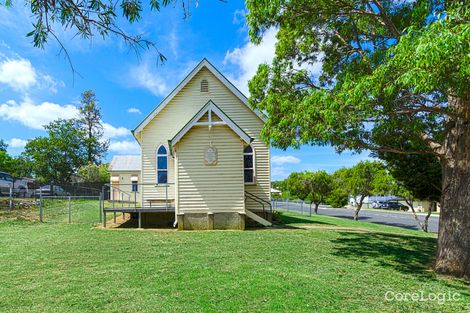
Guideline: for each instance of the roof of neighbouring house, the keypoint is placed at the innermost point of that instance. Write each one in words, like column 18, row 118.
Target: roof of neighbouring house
column 125, row 163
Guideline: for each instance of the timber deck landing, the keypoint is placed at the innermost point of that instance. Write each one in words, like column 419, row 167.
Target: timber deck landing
column 138, row 210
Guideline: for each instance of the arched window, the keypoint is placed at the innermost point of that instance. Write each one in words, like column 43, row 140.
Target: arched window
column 249, row 164
column 162, row 165
column 204, row 86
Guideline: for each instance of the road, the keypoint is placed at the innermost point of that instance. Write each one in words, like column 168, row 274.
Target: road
column 398, row 219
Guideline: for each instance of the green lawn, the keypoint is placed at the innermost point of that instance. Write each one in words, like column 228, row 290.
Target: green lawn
column 311, row 264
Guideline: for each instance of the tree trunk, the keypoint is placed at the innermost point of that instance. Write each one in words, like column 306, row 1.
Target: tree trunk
column 426, row 218
column 424, row 224
column 453, row 253
column 359, row 206
column 316, row 207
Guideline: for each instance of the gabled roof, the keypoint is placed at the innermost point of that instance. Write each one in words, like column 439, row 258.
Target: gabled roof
column 125, row 163
column 211, row 107
column 204, row 63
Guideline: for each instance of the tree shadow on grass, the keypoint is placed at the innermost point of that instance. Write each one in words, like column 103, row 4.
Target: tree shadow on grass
column 404, row 253
column 287, row 220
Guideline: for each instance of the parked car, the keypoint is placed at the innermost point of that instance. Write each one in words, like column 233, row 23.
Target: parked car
column 389, row 205
column 393, row 205
column 377, row 204
column 53, row 190
column 20, row 187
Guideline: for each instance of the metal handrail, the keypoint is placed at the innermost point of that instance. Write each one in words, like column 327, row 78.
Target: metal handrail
column 254, row 199
column 129, row 195
column 260, row 199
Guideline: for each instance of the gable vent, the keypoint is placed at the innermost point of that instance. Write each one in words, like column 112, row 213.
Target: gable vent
column 204, row 86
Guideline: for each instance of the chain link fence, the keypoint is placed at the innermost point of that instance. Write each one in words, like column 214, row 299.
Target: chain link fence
column 65, row 203
column 299, row 206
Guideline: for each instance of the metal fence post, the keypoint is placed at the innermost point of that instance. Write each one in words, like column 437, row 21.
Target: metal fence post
column 70, row 209
column 10, row 205
column 302, row 207
column 310, row 208
column 135, row 200
column 101, row 206
column 40, row 206
column 287, row 204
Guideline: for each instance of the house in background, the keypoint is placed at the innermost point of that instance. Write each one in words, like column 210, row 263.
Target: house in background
column 124, row 173
column 202, row 156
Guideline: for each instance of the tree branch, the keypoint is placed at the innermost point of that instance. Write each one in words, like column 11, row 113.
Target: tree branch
column 393, row 29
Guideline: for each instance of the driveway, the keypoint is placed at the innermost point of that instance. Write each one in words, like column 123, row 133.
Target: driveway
column 398, row 219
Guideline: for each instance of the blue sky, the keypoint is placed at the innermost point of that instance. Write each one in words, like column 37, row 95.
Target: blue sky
column 37, row 85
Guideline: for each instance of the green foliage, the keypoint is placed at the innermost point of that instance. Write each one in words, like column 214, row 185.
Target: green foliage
column 22, row 166
column 92, row 173
column 364, row 179
column 18, row 166
column 3, row 145
column 6, row 162
column 297, row 186
column 385, row 65
column 418, row 176
column 367, row 178
column 90, row 121
column 56, row 157
column 337, row 198
column 311, row 186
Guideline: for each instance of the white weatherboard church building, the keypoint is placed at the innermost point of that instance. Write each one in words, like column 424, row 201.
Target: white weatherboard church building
column 201, row 158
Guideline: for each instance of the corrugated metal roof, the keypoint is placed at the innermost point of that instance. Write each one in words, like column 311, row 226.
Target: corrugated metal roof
column 125, row 163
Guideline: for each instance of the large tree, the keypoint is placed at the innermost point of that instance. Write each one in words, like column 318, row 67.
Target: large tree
column 90, row 121
column 418, row 176
column 58, row 155
column 6, row 162
column 364, row 180
column 92, row 173
column 320, row 185
column 386, row 65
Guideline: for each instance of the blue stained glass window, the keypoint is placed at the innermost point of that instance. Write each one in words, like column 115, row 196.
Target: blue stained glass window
column 249, row 164
column 162, row 177
column 162, row 162
column 162, row 165
column 161, row 150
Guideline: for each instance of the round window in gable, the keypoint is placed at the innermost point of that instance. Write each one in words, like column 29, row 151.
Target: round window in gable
column 204, row 86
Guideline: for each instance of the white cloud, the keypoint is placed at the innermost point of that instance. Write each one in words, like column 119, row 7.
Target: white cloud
column 113, row 132
column 20, row 75
column 36, row 115
column 134, row 110
column 279, row 172
column 124, row 147
column 146, row 76
column 288, row 159
column 17, row 143
column 248, row 57
column 239, row 16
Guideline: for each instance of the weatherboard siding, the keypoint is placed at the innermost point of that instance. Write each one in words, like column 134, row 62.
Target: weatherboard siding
column 210, row 188
column 180, row 110
column 123, row 190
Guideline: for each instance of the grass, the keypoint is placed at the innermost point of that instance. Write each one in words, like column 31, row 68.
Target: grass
column 309, row 264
